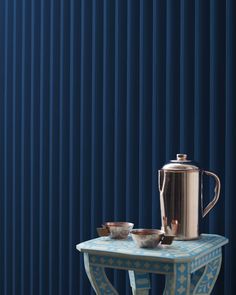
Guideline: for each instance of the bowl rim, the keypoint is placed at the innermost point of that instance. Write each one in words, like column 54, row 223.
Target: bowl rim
column 146, row 232
column 118, row 224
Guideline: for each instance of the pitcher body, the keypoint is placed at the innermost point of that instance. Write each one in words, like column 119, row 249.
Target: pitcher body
column 181, row 187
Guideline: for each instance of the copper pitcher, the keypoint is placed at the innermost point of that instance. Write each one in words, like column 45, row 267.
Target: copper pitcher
column 181, row 190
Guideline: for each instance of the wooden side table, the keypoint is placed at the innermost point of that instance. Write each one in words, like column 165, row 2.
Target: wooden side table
column 190, row 267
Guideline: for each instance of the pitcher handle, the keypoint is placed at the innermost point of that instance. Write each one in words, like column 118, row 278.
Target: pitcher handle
column 216, row 196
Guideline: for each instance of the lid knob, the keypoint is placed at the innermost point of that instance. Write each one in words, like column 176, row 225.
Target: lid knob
column 180, row 164
column 181, row 157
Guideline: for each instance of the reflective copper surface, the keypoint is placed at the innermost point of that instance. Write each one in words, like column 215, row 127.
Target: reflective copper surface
column 119, row 230
column 150, row 238
column 180, row 185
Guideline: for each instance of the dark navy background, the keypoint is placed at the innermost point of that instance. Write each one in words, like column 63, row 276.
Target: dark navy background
column 95, row 96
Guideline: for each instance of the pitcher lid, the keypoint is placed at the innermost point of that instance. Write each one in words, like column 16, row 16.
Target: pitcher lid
column 181, row 164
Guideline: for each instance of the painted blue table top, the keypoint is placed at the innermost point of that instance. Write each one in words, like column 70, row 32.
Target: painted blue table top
column 178, row 251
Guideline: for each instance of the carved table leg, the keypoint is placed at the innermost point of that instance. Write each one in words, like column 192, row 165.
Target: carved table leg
column 208, row 277
column 98, row 278
column 179, row 282
column 139, row 282
column 200, row 283
column 195, row 277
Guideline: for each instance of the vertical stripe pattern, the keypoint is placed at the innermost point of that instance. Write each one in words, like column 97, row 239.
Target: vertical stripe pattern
column 95, row 96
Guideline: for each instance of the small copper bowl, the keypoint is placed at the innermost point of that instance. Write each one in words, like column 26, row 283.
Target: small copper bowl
column 119, row 230
column 150, row 238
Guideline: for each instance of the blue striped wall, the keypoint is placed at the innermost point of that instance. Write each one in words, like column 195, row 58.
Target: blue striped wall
column 95, row 95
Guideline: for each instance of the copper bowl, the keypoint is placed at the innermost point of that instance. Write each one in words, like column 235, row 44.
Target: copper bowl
column 119, row 230
column 150, row 238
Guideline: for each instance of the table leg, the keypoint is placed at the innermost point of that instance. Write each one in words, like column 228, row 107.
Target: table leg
column 98, row 278
column 179, row 282
column 201, row 282
column 139, row 282
column 195, row 277
column 208, row 277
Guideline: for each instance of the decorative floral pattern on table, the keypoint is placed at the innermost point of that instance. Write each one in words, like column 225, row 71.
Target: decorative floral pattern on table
column 139, row 282
column 207, row 281
column 179, row 250
column 195, row 277
column 103, row 284
column 190, row 267
column 199, row 262
column 136, row 264
column 179, row 281
column 98, row 278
